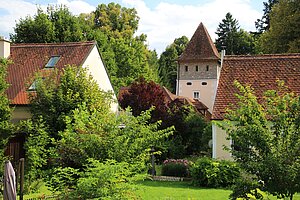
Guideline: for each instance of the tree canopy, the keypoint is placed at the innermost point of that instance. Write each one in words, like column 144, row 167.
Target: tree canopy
column 266, row 139
column 263, row 24
column 167, row 65
column 234, row 40
column 284, row 33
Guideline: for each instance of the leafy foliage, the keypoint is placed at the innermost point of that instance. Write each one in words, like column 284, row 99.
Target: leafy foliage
column 173, row 167
column 236, row 41
column 266, row 138
column 5, row 112
column 167, row 63
column 283, row 35
column 263, row 24
column 212, row 173
column 56, row 98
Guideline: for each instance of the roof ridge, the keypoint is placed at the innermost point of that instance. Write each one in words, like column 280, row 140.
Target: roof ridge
column 262, row 56
column 53, row 44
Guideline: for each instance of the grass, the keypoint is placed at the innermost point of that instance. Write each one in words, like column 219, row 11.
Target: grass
column 158, row 190
column 155, row 190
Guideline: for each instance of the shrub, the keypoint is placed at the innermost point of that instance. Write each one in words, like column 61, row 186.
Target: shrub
column 173, row 167
column 212, row 173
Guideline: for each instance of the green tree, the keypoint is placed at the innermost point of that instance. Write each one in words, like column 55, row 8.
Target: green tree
column 263, row 24
column 58, row 95
column 284, row 33
column 5, row 111
column 266, row 139
column 167, row 63
column 236, row 41
column 56, row 25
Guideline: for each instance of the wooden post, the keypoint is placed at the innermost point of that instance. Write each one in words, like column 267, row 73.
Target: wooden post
column 21, row 167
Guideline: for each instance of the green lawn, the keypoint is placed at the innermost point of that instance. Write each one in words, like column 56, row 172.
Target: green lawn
column 154, row 190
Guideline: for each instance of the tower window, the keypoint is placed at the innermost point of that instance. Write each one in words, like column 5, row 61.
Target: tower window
column 207, row 67
column 196, row 95
column 197, row 68
column 204, row 83
column 189, row 83
column 186, row 68
column 52, row 62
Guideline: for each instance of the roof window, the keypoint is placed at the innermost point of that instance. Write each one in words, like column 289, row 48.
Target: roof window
column 52, row 62
column 34, row 84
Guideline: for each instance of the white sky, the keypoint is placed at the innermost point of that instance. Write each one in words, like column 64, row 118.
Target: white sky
column 161, row 20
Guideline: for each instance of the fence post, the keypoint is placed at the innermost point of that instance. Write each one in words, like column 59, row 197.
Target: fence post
column 21, row 167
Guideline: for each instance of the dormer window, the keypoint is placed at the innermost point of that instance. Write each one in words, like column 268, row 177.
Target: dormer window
column 34, row 84
column 186, row 68
column 52, row 62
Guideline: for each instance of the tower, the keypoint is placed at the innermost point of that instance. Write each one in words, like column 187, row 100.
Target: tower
column 199, row 69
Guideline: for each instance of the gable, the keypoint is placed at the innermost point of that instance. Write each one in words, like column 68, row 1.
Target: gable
column 28, row 59
column 260, row 72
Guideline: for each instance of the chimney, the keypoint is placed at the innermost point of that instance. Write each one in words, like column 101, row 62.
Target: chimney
column 222, row 56
column 4, row 47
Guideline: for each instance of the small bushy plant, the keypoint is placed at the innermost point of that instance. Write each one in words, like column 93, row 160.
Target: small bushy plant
column 175, row 167
column 207, row 172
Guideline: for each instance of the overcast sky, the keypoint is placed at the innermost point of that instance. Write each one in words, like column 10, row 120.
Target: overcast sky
column 161, row 20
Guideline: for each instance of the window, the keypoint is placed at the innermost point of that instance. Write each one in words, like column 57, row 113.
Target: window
column 197, row 68
column 204, row 83
column 52, row 62
column 207, row 67
column 189, row 83
column 196, row 95
column 34, row 84
column 186, row 68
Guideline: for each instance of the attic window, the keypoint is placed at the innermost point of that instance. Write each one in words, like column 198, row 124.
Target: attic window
column 52, row 62
column 207, row 67
column 186, row 68
column 197, row 68
column 33, row 85
column 189, row 83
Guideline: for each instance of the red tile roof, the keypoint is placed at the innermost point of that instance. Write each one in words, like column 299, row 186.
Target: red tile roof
column 31, row 58
column 200, row 46
column 261, row 72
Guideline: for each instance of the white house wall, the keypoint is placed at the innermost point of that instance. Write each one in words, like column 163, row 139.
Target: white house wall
column 96, row 68
column 220, row 140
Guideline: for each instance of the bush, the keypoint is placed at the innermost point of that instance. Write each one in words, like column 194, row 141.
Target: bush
column 212, row 173
column 172, row 167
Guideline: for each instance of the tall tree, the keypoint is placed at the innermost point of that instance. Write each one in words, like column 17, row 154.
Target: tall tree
column 167, row 63
column 266, row 139
column 236, row 41
column 284, row 33
column 263, row 24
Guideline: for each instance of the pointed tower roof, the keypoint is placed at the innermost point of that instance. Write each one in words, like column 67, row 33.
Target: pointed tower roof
column 200, row 46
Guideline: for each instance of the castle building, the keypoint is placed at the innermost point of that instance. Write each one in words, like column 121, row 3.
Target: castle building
column 207, row 75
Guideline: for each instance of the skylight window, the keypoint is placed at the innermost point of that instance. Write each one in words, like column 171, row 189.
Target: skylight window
column 52, row 62
column 34, row 85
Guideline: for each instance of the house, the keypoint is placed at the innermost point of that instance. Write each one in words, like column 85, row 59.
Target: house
column 205, row 75
column 28, row 59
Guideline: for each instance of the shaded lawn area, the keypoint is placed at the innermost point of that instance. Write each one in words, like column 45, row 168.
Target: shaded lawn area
column 154, row 190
